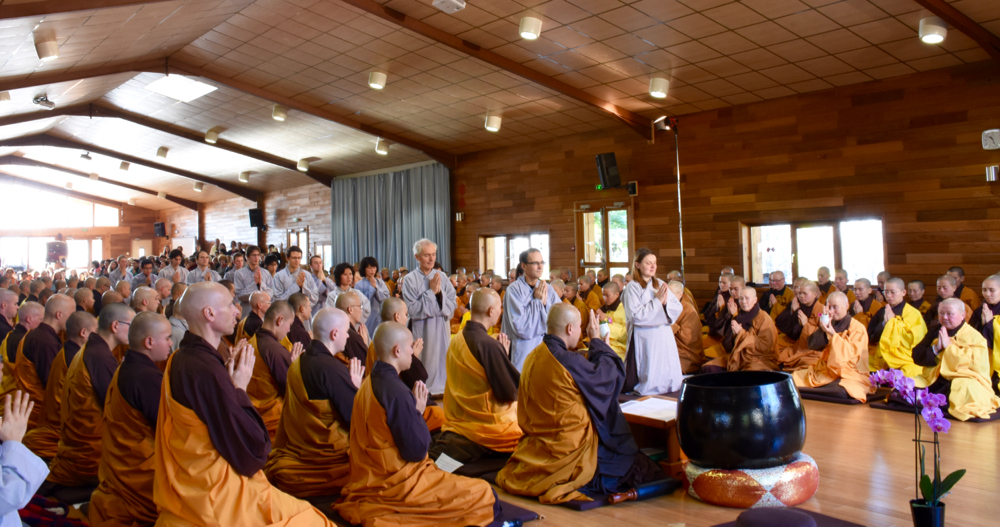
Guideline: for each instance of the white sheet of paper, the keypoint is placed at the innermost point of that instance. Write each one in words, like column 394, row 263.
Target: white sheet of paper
column 653, row 408
column 447, row 464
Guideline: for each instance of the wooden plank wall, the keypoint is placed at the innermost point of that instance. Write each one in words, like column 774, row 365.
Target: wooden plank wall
column 906, row 150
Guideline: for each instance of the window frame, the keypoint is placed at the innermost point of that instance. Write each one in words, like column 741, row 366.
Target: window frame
column 511, row 261
column 603, row 206
column 746, row 244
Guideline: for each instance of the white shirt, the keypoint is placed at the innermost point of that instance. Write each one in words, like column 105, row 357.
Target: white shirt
column 169, row 271
column 246, row 285
column 198, row 275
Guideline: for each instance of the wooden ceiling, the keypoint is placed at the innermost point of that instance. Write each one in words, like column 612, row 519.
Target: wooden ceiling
column 590, row 70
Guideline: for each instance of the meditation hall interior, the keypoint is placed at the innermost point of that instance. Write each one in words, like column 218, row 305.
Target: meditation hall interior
column 504, row 263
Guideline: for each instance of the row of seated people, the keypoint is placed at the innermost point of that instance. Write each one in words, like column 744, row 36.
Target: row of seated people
column 837, row 340
column 184, row 438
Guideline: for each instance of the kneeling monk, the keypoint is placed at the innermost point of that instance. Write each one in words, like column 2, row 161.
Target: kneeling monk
column 272, row 359
column 894, row 331
column 393, row 482
column 78, row 455
column 798, row 323
column 310, row 451
column 749, row 339
column 125, row 494
column 843, row 340
column 576, row 437
column 480, row 395
column 210, row 441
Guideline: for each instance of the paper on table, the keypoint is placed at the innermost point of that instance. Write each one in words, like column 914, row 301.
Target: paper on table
column 653, row 408
column 447, row 464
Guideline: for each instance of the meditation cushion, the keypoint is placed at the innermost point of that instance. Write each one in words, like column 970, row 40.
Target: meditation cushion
column 775, row 518
column 781, row 486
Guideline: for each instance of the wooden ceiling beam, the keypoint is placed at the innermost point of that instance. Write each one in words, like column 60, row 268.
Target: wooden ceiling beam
column 960, row 21
column 57, row 142
column 51, row 7
column 43, row 79
column 23, row 161
column 77, row 110
column 316, row 175
column 10, row 178
column 173, row 66
column 631, row 119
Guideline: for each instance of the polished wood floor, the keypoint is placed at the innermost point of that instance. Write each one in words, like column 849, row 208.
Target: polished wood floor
column 866, row 467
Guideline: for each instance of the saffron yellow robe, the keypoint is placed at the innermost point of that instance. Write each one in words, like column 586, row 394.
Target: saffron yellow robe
column 263, row 389
column 966, row 363
column 44, row 439
column 78, row 455
column 844, row 358
column 618, row 326
column 866, row 317
column 433, row 414
column 781, row 302
column 895, row 348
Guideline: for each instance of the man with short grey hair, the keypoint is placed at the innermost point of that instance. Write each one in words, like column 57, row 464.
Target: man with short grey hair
column 431, row 302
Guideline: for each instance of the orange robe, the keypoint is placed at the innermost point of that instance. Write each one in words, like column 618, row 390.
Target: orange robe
column 594, row 300
column 264, row 392
column 125, row 494
column 823, row 295
column 26, row 379
column 970, row 298
column 798, row 356
column 844, row 358
column 866, row 317
column 558, row 453
column 310, row 454
column 194, row 485
column 433, row 414
column 781, row 302
column 386, row 490
column 470, row 408
column 582, row 308
column 687, row 334
column 78, row 455
column 44, row 439
column 753, row 349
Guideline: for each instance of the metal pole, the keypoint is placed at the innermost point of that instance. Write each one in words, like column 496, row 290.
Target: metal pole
column 680, row 220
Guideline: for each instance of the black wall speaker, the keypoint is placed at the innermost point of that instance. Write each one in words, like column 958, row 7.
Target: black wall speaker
column 607, row 169
column 56, row 252
column 257, row 218
column 161, row 229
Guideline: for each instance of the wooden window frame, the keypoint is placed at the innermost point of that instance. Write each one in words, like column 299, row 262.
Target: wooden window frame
column 603, row 206
column 509, row 259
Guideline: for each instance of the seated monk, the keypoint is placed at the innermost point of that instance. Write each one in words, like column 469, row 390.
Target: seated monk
column 571, row 295
column 467, row 314
column 392, row 480
column 778, row 297
column 78, row 455
column 247, row 328
column 946, row 288
column 357, row 334
column 303, row 312
column 956, row 364
column 864, row 306
column 748, row 340
column 843, row 342
column 714, row 309
column 125, row 494
column 672, row 276
column 272, row 359
column 881, row 279
column 480, row 396
column 824, row 284
column 986, row 320
column 915, row 296
column 893, row 332
column 38, row 351
column 798, row 322
column 145, row 300
column 963, row 293
column 395, row 310
column 210, row 441
column 591, row 293
column 84, row 299
column 687, row 332
column 718, row 320
column 29, row 316
column 310, row 454
column 43, row 440
column 576, row 440
column 840, row 284
column 613, row 312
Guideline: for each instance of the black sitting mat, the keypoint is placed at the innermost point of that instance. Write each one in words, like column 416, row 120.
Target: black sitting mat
column 897, row 407
column 835, row 394
column 626, row 397
column 486, row 465
column 822, row 520
column 74, row 495
column 601, row 500
column 508, row 512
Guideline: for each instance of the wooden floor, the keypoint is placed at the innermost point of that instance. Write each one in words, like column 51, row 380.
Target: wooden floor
column 866, row 467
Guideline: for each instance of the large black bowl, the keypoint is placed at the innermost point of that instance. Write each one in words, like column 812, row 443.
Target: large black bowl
column 740, row 419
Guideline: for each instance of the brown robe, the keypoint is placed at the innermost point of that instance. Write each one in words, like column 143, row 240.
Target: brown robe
column 798, row 355
column 844, row 357
column 687, row 334
column 753, row 348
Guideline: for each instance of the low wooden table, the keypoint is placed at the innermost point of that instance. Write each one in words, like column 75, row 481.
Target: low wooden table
column 655, row 433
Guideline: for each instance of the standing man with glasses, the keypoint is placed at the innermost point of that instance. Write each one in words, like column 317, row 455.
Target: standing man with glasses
column 526, row 306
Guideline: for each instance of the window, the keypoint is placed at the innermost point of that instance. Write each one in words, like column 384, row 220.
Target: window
column 38, row 252
column 61, row 211
column 97, row 249
column 14, row 251
column 501, row 252
column 324, row 251
column 800, row 249
column 105, row 216
column 77, row 254
column 604, row 236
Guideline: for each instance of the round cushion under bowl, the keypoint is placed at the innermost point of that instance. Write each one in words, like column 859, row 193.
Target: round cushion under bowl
column 775, row 487
column 740, row 420
column 774, row 518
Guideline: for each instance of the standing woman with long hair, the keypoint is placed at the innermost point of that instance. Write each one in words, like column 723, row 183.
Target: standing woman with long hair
column 343, row 282
column 652, row 365
column 373, row 287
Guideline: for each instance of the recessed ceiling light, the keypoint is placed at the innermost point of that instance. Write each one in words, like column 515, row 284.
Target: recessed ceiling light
column 658, row 87
column 4, row 95
column 131, row 201
column 530, row 28
column 46, row 48
column 179, row 87
column 199, row 186
column 933, row 30
column 124, row 166
column 95, row 176
column 381, row 146
column 69, row 186
column 493, row 123
column 245, row 177
column 162, row 152
column 303, row 165
column 161, row 195
column 280, row 113
column 376, row 80
column 211, row 137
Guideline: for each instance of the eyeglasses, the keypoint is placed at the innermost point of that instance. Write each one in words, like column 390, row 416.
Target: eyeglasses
column 539, row 264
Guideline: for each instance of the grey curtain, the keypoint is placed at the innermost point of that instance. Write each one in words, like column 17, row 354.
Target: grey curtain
column 383, row 215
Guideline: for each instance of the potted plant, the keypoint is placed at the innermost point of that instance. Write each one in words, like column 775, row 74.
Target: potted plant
column 928, row 510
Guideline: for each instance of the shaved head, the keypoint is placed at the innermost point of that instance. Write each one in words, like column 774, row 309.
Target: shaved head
column 79, row 321
column 57, row 303
column 111, row 297
column 103, row 283
column 391, row 307
column 898, row 282
column 31, row 309
column 145, row 299
column 146, row 325
column 113, row 313
column 327, row 320
column 388, row 336
column 613, row 287
column 676, row 287
column 737, row 282
column 203, row 297
column 280, row 308
column 483, row 300
column 837, row 298
column 81, row 296
column 560, row 316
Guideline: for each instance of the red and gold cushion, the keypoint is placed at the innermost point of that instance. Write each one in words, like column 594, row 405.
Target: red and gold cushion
column 781, row 486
